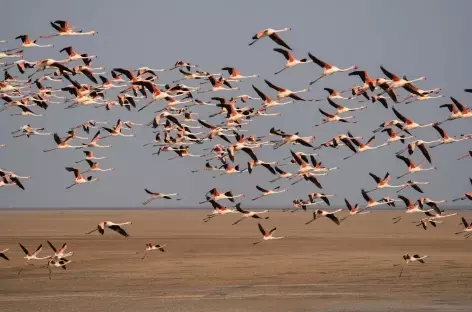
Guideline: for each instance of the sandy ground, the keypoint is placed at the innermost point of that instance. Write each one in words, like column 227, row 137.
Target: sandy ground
column 215, row 267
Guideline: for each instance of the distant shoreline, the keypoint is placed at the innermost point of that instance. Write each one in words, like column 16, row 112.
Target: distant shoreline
column 183, row 209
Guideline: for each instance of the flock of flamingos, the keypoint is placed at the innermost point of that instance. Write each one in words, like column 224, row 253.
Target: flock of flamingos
column 175, row 128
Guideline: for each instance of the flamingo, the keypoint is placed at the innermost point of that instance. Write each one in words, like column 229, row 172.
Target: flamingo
column 155, row 195
column 61, row 143
column 272, row 34
column 27, row 43
column 28, row 131
column 382, row 182
column 282, row 174
column 421, row 146
column 467, row 195
column 411, row 208
column 327, row 68
column 390, row 123
column 409, row 124
column 372, row 203
column 290, row 138
column 3, row 255
column 73, row 56
column 323, row 213
column 382, row 99
column 283, row 93
column 217, row 85
column 322, row 196
column 32, row 256
column 407, row 259
column 151, row 247
column 334, row 95
column 61, row 252
column 64, row 29
column 363, row 147
column 78, row 178
column 89, row 155
column 268, row 102
column 467, row 228
column 446, row 139
column 11, row 55
column 341, row 109
column 116, row 131
column 469, row 154
column 25, row 111
column 117, row 227
column 156, row 93
column 235, row 74
column 398, row 82
column 60, row 263
column 291, row 61
column 213, row 194
column 268, row 192
column 219, row 210
column 353, row 210
column 267, row 235
column 94, row 167
column 181, row 63
column 412, row 168
column 250, row 214
column 94, row 143
column 369, row 83
column 333, row 118
column 413, row 185
column 394, row 137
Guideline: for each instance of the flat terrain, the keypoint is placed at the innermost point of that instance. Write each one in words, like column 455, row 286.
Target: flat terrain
column 215, row 267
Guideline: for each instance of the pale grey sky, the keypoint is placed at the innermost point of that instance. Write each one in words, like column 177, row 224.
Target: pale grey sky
column 415, row 38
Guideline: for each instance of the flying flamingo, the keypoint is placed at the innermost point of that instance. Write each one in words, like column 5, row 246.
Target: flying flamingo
column 413, row 185
column 373, row 203
column 89, row 155
column 151, row 247
column 411, row 208
column 380, row 98
column 250, row 214
column 412, row 168
column 235, row 74
column 283, row 93
column 467, row 195
column 382, row 182
column 409, row 124
column 158, row 196
column 327, row 68
column 32, row 256
column 353, row 210
column 60, row 263
column 407, row 259
column 322, row 196
column 398, row 82
column 94, row 143
column 117, row 227
column 421, row 146
column 268, row 192
column 328, row 214
column 61, row 252
column 25, row 111
column 362, row 147
column 469, row 154
column 219, row 210
column 272, row 34
column 78, row 178
column 291, row 61
column 3, row 255
column 27, row 43
column 290, row 138
column 213, row 194
column 268, row 102
column 333, row 118
column 64, row 29
column 282, row 174
column 94, row 167
column 467, row 228
column 341, row 109
column 394, row 137
column 267, row 235
column 446, row 139
column 334, row 95
column 28, row 131
column 61, row 143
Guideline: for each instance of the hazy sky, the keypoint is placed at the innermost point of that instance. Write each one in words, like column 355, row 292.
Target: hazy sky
column 415, row 38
